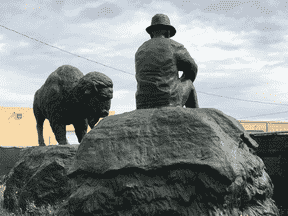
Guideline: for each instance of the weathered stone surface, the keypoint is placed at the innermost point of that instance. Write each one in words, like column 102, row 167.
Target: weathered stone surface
column 39, row 176
column 169, row 161
column 3, row 180
column 67, row 97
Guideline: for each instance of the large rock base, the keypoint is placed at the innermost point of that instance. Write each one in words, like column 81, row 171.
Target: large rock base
column 174, row 190
column 40, row 176
column 169, row 161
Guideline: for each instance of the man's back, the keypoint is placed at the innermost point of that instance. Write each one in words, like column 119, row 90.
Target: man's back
column 157, row 73
column 157, row 63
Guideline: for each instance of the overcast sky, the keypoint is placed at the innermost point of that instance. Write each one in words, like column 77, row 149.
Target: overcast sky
column 240, row 48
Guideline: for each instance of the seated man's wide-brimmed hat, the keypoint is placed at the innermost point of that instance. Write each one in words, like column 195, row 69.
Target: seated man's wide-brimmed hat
column 161, row 21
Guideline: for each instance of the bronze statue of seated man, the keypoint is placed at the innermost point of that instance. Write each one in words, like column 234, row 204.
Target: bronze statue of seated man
column 157, row 63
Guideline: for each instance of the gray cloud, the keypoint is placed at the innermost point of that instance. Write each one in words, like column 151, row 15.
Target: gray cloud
column 106, row 10
column 138, row 3
column 223, row 46
column 260, row 24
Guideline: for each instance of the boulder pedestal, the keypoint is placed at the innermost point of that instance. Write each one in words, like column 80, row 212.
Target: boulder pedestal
column 169, row 161
column 39, row 176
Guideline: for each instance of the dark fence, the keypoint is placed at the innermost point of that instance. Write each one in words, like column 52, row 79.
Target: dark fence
column 273, row 149
column 8, row 158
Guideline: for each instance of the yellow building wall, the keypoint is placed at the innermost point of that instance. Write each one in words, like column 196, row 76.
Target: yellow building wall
column 261, row 125
column 21, row 131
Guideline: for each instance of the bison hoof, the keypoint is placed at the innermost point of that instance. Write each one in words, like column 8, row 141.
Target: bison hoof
column 42, row 144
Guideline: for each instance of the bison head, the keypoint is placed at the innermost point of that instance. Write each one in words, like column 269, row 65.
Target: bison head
column 91, row 97
column 97, row 94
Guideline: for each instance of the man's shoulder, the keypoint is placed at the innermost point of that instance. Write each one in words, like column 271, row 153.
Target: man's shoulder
column 175, row 43
column 143, row 45
column 167, row 40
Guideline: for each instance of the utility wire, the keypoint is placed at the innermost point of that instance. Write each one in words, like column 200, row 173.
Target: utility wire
column 264, row 115
column 250, row 101
column 243, row 99
column 133, row 74
column 65, row 50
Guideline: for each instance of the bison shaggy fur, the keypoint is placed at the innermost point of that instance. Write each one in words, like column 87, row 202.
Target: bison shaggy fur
column 68, row 97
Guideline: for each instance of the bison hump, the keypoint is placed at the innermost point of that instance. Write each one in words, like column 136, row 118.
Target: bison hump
column 65, row 77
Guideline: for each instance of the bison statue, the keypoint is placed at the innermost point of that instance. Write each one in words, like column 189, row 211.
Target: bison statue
column 68, row 97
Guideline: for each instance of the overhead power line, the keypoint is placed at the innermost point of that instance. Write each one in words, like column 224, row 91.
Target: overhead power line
column 66, row 51
column 243, row 99
column 263, row 115
column 134, row 74
column 250, row 101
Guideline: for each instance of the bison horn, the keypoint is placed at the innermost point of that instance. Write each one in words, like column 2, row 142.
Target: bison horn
column 95, row 88
column 100, row 83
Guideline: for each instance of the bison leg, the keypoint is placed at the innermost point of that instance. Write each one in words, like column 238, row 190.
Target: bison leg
column 40, row 121
column 80, row 129
column 59, row 131
column 92, row 121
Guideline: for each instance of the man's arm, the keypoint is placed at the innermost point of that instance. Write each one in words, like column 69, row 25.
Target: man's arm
column 186, row 64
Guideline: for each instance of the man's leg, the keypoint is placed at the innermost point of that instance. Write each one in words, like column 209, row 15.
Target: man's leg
column 190, row 99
